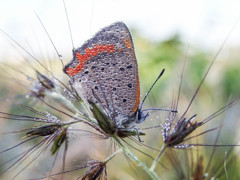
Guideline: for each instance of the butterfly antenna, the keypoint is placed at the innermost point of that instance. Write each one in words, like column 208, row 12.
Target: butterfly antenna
column 69, row 27
column 151, row 88
column 59, row 55
column 160, row 109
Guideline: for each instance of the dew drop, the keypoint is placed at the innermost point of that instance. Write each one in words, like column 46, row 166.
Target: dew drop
column 84, row 79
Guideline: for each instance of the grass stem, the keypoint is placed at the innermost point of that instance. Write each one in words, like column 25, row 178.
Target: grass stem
column 127, row 151
column 155, row 162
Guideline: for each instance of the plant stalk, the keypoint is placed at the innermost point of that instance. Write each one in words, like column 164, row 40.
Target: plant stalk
column 112, row 156
column 127, row 151
column 155, row 162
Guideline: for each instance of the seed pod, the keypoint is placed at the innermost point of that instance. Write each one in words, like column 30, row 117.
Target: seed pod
column 103, row 120
column 97, row 170
column 59, row 140
column 44, row 130
column 181, row 130
column 46, row 82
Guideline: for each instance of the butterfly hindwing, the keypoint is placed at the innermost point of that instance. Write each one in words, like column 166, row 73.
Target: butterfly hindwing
column 104, row 70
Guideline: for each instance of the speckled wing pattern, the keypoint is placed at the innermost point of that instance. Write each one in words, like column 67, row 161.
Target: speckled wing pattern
column 104, row 70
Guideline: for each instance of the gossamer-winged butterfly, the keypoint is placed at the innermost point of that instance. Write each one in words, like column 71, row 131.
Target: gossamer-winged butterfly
column 104, row 70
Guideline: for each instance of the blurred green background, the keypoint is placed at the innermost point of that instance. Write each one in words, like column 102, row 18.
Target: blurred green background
column 221, row 85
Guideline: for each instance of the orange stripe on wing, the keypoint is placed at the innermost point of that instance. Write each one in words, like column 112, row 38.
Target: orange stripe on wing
column 138, row 96
column 128, row 43
column 89, row 52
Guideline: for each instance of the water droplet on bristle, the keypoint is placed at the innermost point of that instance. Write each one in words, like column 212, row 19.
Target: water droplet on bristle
column 84, row 79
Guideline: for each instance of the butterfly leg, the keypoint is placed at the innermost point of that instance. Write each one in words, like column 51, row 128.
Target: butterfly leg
column 138, row 134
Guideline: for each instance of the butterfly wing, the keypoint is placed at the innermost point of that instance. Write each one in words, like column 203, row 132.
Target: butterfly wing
column 104, row 70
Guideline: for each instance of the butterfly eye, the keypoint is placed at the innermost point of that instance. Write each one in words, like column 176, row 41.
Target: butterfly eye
column 141, row 116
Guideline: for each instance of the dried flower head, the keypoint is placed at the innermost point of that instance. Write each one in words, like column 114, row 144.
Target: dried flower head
column 41, row 86
column 97, row 170
column 175, row 136
column 44, row 130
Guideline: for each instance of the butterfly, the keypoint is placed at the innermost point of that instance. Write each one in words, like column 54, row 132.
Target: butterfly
column 104, row 70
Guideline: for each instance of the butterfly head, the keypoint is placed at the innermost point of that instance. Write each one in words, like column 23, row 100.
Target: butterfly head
column 141, row 116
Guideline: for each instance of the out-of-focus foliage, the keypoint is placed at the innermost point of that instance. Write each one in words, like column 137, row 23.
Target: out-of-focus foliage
column 222, row 82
